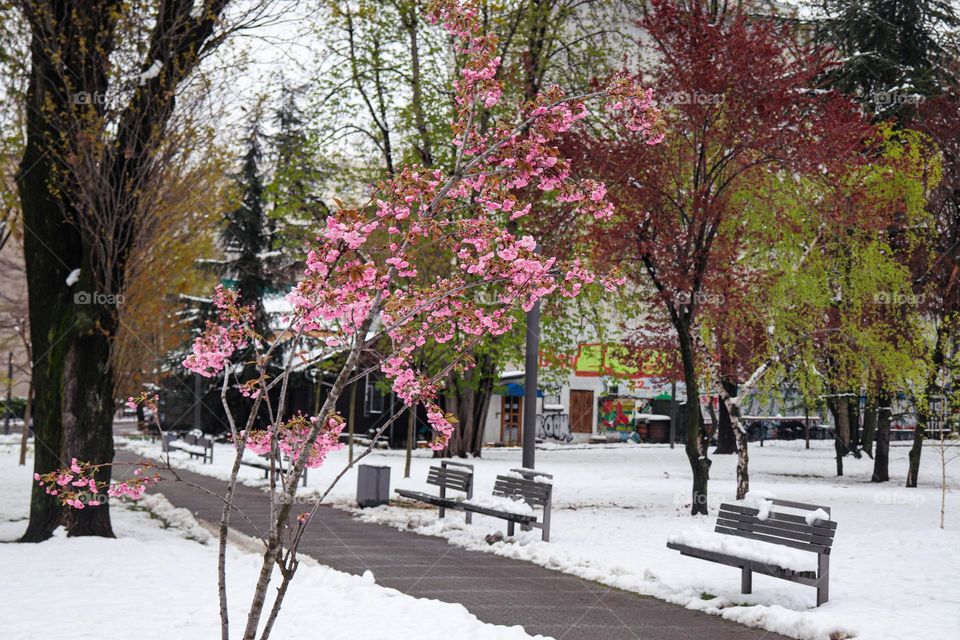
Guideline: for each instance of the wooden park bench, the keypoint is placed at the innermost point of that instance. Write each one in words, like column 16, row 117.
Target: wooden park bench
column 533, row 488
column 195, row 446
column 523, row 486
column 457, row 476
column 263, row 462
column 809, row 532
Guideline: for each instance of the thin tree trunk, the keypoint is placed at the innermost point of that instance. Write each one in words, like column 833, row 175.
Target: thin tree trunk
column 411, row 437
column 923, row 408
column 730, row 403
column 351, row 419
column 869, row 425
column 487, row 371
column 841, row 412
column 881, row 459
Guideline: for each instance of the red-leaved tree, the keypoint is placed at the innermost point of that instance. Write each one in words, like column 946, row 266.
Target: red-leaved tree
column 739, row 105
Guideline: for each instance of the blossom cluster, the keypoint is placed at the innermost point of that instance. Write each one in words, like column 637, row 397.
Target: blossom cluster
column 77, row 486
column 213, row 348
column 291, row 438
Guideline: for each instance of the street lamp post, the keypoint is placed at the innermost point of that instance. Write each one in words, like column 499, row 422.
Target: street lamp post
column 530, row 386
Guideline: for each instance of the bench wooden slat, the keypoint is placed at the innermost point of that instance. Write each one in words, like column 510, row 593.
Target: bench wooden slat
column 786, row 517
column 532, row 485
column 777, row 520
column 777, row 528
column 447, row 503
column 762, row 537
column 446, row 478
column 518, row 491
column 451, row 472
column 506, row 515
column 524, row 487
column 798, row 505
column 774, row 535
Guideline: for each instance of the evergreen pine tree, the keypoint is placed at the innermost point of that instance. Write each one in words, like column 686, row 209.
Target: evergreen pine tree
column 893, row 53
column 247, row 236
column 295, row 191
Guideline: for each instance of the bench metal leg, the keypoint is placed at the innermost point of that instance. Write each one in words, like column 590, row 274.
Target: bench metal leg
column 545, row 523
column 746, row 580
column 823, row 579
column 510, row 527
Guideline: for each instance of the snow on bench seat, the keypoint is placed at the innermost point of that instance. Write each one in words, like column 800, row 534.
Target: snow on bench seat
column 765, row 552
column 500, row 503
column 189, row 448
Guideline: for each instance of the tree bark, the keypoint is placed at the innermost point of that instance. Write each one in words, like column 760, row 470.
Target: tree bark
column 74, row 175
column 726, row 439
column 840, row 406
column 923, row 408
column 411, row 438
column 88, row 407
column 869, row 425
column 696, row 448
column 881, row 459
column 52, row 249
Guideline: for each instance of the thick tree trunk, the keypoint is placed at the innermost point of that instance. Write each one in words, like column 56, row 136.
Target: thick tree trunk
column 88, row 407
column 726, row 439
column 468, row 397
column 881, row 459
column 696, row 441
column 52, row 249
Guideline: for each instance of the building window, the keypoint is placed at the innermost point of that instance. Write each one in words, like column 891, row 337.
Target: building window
column 372, row 398
column 551, row 394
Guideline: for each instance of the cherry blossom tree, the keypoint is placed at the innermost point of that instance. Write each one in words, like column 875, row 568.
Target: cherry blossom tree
column 360, row 289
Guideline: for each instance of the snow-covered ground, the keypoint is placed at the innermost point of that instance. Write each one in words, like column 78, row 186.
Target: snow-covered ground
column 158, row 580
column 893, row 570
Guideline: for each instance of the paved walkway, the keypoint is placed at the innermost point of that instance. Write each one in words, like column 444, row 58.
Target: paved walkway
column 497, row 590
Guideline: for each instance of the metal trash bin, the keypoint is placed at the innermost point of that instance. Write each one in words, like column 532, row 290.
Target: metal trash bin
column 373, row 485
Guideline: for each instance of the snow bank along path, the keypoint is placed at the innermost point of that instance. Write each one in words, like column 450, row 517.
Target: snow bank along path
column 893, row 571
column 157, row 580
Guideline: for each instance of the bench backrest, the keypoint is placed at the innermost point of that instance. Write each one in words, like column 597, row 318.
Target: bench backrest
column 452, row 475
column 523, row 484
column 779, row 527
column 199, row 441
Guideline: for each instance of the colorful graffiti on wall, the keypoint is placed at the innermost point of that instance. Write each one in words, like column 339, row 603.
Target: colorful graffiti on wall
column 616, row 414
